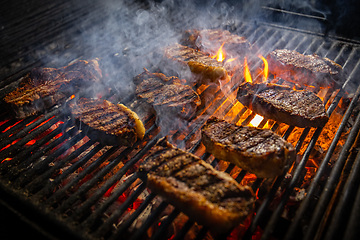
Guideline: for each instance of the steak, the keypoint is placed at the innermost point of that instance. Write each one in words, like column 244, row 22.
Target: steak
column 106, row 122
column 310, row 70
column 210, row 40
column 167, row 94
column 258, row 151
column 300, row 108
column 42, row 88
column 210, row 197
column 206, row 69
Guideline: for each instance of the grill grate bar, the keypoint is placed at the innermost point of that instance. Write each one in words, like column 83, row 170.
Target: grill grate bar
column 16, row 171
column 345, row 203
column 332, row 180
column 313, row 187
column 125, row 225
column 7, row 165
column 28, row 175
column 152, row 218
column 25, row 131
column 161, row 232
column 352, row 231
column 14, row 148
column 90, row 221
column 37, row 182
column 51, row 185
column 119, row 174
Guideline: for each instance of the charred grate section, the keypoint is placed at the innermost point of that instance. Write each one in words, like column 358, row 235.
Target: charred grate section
column 90, row 191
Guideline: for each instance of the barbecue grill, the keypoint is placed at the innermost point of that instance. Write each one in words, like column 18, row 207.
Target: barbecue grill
column 63, row 184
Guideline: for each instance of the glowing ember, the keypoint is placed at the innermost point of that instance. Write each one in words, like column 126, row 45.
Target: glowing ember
column 247, row 75
column 6, row 159
column 72, row 96
column 256, row 120
column 266, row 68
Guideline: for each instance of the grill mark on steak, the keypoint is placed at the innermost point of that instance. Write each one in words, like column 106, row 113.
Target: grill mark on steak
column 294, row 107
column 208, row 196
column 259, row 151
column 306, row 69
column 42, row 88
column 107, row 123
column 166, row 94
column 206, row 68
column 210, row 40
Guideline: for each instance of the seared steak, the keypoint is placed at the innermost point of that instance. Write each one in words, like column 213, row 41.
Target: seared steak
column 44, row 87
column 106, row 122
column 304, row 69
column 259, row 151
column 294, row 107
column 208, row 196
column 166, row 94
column 210, row 40
column 205, row 67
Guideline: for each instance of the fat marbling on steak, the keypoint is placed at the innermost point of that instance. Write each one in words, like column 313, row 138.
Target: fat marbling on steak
column 304, row 69
column 42, row 88
column 258, row 151
column 210, row 197
column 300, row 108
column 108, row 123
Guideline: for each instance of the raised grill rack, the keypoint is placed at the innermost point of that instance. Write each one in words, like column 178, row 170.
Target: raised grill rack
column 29, row 181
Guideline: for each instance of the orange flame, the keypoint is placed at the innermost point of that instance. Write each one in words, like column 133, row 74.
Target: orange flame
column 266, row 68
column 72, row 96
column 220, row 54
column 247, row 75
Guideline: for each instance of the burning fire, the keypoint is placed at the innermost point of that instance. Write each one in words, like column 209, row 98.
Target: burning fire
column 220, row 55
column 265, row 72
column 247, row 75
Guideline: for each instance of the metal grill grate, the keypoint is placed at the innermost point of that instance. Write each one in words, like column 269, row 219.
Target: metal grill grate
column 81, row 199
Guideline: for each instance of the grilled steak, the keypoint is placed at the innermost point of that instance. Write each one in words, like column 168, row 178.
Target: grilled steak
column 210, row 40
column 294, row 107
column 206, row 68
column 44, row 87
column 106, row 122
column 208, row 196
column 306, row 69
column 166, row 94
column 259, row 151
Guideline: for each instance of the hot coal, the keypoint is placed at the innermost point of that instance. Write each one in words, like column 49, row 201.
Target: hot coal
column 258, row 151
column 208, row 196
column 294, row 107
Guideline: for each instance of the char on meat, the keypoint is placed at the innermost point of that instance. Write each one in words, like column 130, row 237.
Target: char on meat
column 210, row 40
column 108, row 123
column 42, row 88
column 167, row 95
column 294, row 107
column 304, row 69
column 205, row 68
column 258, row 151
column 210, row 197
